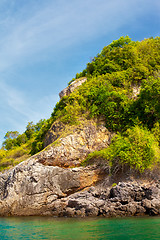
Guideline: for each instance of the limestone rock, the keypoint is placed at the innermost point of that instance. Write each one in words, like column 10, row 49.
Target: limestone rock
column 53, row 182
column 92, row 202
column 136, row 91
column 54, row 132
column 68, row 90
column 31, row 188
column 72, row 149
column 37, row 185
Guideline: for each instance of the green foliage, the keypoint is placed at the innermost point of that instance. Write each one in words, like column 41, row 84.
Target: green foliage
column 110, row 102
column 138, row 59
column 120, row 42
column 41, row 129
column 30, row 129
column 31, row 139
column 97, row 155
column 114, row 184
column 108, row 93
column 147, row 106
column 156, row 131
column 10, row 139
column 136, row 147
column 11, row 157
column 59, row 109
column 69, row 108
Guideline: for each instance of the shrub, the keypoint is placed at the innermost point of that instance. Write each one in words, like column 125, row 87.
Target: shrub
column 147, row 106
column 137, row 148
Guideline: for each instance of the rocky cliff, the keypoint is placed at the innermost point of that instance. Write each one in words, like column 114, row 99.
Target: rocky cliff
column 33, row 189
column 34, row 186
column 125, row 199
column 72, row 144
column 72, row 87
column 53, row 182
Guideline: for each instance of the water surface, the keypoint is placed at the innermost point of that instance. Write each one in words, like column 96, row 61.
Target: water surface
column 65, row 228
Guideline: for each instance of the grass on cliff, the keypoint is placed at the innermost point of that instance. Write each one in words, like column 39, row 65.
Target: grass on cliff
column 10, row 158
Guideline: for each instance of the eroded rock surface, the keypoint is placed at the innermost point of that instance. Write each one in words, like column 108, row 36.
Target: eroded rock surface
column 125, row 199
column 54, row 132
column 68, row 90
column 52, row 182
column 32, row 189
column 72, row 149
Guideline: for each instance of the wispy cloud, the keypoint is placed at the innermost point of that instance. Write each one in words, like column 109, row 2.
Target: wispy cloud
column 14, row 99
column 17, row 109
column 19, row 102
column 35, row 29
column 59, row 24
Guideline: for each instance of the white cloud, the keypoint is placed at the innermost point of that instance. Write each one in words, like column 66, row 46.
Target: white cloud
column 17, row 101
column 14, row 99
column 33, row 29
column 17, row 109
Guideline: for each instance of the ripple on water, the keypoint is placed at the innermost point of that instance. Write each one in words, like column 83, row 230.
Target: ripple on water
column 88, row 228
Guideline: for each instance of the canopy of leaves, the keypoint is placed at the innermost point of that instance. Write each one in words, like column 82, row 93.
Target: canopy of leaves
column 136, row 147
column 18, row 147
column 108, row 91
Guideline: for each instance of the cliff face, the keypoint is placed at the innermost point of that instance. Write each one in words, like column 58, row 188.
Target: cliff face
column 74, row 143
column 34, row 186
column 54, row 183
column 125, row 199
column 46, row 184
column 32, row 189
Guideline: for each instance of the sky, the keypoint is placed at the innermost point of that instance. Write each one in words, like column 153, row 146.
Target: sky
column 44, row 43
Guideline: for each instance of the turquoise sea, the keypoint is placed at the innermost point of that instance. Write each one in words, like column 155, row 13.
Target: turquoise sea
column 136, row 228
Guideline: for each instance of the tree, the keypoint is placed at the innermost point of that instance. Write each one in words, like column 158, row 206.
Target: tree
column 30, row 129
column 10, row 139
column 121, row 42
column 11, row 135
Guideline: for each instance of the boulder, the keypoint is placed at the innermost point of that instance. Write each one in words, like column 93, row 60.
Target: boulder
column 75, row 84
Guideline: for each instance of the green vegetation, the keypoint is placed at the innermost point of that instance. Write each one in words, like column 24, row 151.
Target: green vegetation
column 136, row 147
column 15, row 155
column 112, row 76
column 18, row 147
column 122, row 65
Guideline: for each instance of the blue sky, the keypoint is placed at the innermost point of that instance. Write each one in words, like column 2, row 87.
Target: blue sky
column 44, row 43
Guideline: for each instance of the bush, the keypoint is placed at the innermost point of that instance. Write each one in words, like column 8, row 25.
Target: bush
column 137, row 148
column 147, row 106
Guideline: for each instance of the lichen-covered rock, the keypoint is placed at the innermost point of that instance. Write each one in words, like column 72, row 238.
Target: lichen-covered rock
column 68, row 90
